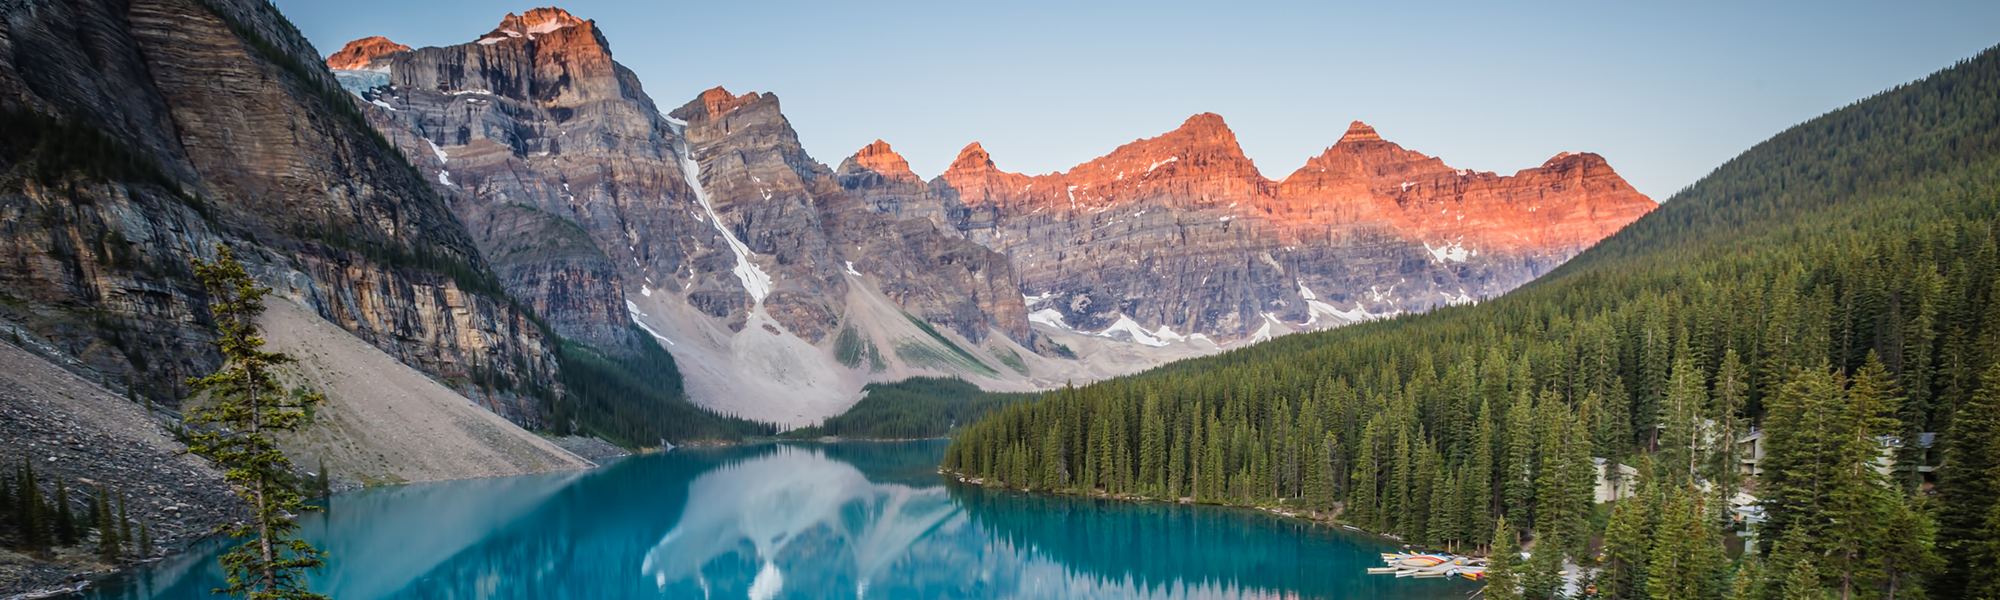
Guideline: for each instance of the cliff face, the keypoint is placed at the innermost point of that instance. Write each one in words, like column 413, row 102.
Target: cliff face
column 208, row 122
column 1180, row 234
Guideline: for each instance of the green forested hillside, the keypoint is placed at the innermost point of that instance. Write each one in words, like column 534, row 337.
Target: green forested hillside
column 1834, row 285
column 914, row 408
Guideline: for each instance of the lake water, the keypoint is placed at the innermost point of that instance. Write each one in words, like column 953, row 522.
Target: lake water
column 849, row 520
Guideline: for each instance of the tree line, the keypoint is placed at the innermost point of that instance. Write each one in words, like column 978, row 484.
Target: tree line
column 40, row 517
column 1834, row 286
column 914, row 408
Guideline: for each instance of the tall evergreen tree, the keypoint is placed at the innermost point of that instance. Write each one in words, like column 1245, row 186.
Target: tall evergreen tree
column 65, row 519
column 1503, row 582
column 1686, row 561
column 109, row 547
column 244, row 404
column 1968, row 491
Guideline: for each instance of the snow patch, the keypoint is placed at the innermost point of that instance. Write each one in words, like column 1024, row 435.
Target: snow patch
column 1033, row 300
column 646, row 291
column 1168, row 335
column 1375, row 295
column 637, row 319
column 1451, row 251
column 442, row 157
column 755, row 280
column 541, row 28
column 1132, row 328
column 1157, row 164
column 382, row 104
column 475, row 91
column 1263, row 333
column 444, row 177
column 850, row 269
column 1048, row 316
column 1463, row 297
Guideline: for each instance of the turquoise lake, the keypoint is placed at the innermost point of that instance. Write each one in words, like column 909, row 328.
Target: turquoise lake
column 847, row 520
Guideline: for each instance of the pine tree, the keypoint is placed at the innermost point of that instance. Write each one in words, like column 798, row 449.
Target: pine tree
column 1626, row 550
column 1517, row 473
column 1541, row 576
column 1968, row 491
column 1478, row 497
column 1502, row 582
column 145, row 547
column 1680, row 445
column 1793, row 575
column 109, row 546
column 1858, row 499
column 124, row 520
column 1730, row 397
column 65, row 519
column 1802, row 441
column 1686, row 559
column 34, row 511
column 243, row 405
column 6, row 503
column 1909, row 549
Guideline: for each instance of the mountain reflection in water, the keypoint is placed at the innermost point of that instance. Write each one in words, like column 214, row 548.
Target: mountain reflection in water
column 852, row 520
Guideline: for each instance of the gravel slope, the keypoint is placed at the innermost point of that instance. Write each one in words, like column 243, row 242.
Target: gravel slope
column 385, row 422
column 77, row 430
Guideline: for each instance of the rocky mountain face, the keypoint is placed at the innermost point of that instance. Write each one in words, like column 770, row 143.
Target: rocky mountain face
column 1180, row 239
column 781, row 285
column 140, row 134
column 710, row 226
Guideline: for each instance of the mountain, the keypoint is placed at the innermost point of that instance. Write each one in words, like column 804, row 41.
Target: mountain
column 781, row 286
column 1832, row 289
column 709, row 226
column 144, row 135
column 1181, row 235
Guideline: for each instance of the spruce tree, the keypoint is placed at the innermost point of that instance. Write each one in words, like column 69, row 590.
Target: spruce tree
column 241, row 405
column 65, row 519
column 34, row 511
column 1686, row 561
column 1909, row 549
column 1541, row 575
column 1730, row 396
column 1626, row 550
column 109, row 547
column 124, row 520
column 1968, row 491
column 1502, row 581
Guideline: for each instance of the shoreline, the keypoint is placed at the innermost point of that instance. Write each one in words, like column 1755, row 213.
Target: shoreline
column 1331, row 521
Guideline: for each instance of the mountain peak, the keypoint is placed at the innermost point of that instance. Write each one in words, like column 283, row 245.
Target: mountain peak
column 357, row 54
column 1207, row 120
column 1360, row 132
column 719, row 101
column 880, row 158
column 535, row 22
column 972, row 158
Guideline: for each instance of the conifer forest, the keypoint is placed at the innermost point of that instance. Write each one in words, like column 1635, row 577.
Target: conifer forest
column 1784, row 383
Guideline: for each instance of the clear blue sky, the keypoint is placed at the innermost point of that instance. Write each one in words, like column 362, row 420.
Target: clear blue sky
column 1664, row 90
